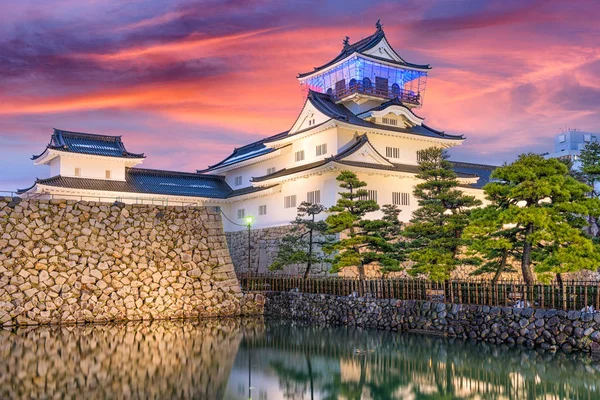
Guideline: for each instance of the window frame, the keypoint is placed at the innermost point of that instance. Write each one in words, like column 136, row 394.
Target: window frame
column 289, row 201
column 316, row 196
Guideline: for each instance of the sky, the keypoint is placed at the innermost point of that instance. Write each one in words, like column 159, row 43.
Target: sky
column 187, row 81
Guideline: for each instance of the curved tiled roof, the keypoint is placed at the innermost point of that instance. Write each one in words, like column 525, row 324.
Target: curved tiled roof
column 150, row 181
column 88, row 143
column 324, row 103
column 483, row 171
column 247, row 152
column 360, row 142
column 393, row 102
column 462, row 169
column 362, row 46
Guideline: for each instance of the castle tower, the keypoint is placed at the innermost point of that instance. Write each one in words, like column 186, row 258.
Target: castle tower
column 368, row 73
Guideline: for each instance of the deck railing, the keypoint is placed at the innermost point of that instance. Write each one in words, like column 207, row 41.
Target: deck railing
column 571, row 295
column 386, row 92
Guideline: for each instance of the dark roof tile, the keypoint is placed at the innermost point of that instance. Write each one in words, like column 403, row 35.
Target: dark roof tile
column 360, row 47
column 88, row 143
column 327, row 106
column 149, row 181
column 247, row 152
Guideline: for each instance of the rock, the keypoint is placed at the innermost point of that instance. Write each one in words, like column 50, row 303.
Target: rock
column 194, row 273
column 523, row 322
column 588, row 331
column 96, row 273
column 86, row 279
column 43, row 276
column 573, row 315
column 586, row 317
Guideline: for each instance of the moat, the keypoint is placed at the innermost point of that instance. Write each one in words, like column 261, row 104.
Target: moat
column 258, row 359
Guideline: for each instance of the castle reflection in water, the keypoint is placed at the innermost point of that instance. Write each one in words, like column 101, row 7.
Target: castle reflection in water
column 242, row 359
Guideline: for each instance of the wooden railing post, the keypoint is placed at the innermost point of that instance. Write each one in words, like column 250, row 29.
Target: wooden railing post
column 567, row 295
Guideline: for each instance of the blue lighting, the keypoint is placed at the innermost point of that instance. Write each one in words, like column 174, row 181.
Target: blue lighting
column 358, row 75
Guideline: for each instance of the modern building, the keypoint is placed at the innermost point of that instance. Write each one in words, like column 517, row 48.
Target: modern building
column 568, row 145
column 359, row 115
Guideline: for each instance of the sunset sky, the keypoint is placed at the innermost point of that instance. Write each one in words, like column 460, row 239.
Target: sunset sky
column 186, row 81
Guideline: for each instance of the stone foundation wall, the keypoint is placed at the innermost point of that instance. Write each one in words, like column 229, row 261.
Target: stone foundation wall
column 65, row 262
column 547, row 329
column 264, row 245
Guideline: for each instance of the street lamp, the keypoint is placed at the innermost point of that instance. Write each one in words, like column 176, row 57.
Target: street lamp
column 249, row 219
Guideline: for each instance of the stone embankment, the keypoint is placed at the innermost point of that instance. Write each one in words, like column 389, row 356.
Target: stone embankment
column 69, row 262
column 547, row 329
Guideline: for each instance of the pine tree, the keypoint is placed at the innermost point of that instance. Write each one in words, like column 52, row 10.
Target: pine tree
column 492, row 246
column 544, row 207
column 589, row 158
column 589, row 173
column 382, row 236
column 364, row 241
column 303, row 242
column 435, row 231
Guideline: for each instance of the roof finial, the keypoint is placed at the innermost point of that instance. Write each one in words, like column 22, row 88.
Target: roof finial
column 346, row 41
column 378, row 25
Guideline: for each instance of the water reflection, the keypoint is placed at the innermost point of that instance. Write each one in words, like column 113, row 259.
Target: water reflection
column 241, row 359
column 291, row 361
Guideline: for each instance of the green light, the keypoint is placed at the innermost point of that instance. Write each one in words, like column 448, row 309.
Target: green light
column 249, row 220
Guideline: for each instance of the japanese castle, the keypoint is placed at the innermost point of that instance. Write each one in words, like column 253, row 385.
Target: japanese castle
column 359, row 115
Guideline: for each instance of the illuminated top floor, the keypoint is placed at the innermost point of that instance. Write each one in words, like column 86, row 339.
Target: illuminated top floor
column 369, row 70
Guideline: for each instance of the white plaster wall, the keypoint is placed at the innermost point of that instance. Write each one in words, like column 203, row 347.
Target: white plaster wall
column 276, row 213
column 92, row 167
column 408, row 148
column 309, row 117
column 310, row 143
column 54, row 166
column 259, row 169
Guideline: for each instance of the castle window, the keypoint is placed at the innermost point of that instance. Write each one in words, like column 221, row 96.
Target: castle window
column 340, row 87
column 78, row 171
column 400, row 199
column 322, row 149
column 562, row 138
column 107, row 174
column 366, row 83
column 262, row 210
column 392, row 152
column 241, row 213
column 352, row 84
column 396, row 90
column 238, row 181
column 370, row 195
column 313, row 197
column 299, row 155
column 420, row 155
column 389, row 121
column 289, row 201
column 330, row 91
column 381, row 85
column 271, row 170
